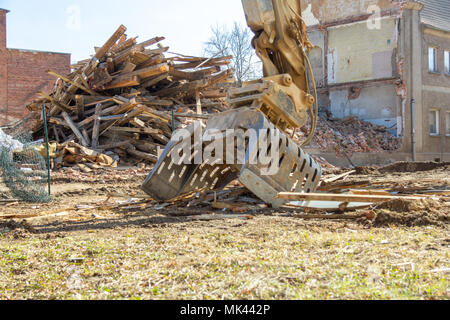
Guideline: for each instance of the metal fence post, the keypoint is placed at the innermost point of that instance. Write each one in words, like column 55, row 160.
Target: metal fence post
column 44, row 115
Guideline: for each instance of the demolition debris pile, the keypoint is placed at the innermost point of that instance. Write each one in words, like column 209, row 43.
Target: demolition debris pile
column 351, row 135
column 124, row 103
column 123, row 100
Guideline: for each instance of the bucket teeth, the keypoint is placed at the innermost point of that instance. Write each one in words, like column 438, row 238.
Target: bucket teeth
column 292, row 169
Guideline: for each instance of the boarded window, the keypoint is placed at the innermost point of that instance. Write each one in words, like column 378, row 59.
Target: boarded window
column 434, row 122
column 432, row 62
column 447, row 62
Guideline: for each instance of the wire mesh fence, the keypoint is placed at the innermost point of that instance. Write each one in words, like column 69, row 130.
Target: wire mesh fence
column 23, row 170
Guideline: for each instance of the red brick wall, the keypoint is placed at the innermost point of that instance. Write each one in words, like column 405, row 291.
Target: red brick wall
column 23, row 73
column 27, row 75
column 3, row 28
column 3, row 63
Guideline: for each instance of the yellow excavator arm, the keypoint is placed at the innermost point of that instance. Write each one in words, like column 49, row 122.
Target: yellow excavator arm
column 281, row 43
column 263, row 108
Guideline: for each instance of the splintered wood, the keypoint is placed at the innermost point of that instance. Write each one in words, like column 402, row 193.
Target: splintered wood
column 121, row 100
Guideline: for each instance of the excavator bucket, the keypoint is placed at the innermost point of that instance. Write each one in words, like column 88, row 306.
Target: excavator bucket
column 271, row 161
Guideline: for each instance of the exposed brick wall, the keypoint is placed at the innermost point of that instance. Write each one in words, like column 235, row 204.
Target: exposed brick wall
column 23, row 73
column 27, row 75
column 3, row 63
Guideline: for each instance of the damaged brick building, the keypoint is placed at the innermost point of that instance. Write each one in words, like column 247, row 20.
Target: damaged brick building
column 23, row 73
column 386, row 62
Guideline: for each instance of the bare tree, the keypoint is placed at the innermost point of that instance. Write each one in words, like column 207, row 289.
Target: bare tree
column 235, row 42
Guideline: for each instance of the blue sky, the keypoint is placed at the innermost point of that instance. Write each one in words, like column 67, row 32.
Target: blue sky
column 76, row 26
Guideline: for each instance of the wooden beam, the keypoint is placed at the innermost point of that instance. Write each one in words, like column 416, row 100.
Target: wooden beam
column 145, row 156
column 80, row 107
column 59, row 105
column 110, row 43
column 128, row 81
column 96, row 129
column 341, row 197
column 136, row 130
column 79, row 86
column 146, row 72
column 74, row 129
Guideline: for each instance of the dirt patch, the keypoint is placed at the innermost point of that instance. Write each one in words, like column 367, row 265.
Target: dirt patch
column 411, row 213
column 366, row 170
column 16, row 230
column 414, row 167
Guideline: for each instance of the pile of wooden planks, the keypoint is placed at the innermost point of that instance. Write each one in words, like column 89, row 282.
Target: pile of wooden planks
column 123, row 100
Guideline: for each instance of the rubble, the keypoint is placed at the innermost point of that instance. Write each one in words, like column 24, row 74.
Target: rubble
column 9, row 143
column 129, row 97
column 349, row 136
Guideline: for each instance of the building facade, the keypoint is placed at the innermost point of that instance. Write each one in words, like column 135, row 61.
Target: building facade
column 23, row 73
column 386, row 62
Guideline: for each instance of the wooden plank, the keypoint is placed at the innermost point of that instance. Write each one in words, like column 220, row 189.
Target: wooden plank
column 79, row 86
column 150, row 42
column 154, row 80
column 59, row 105
column 74, row 129
column 128, row 67
column 114, row 145
column 344, row 185
column 124, row 45
column 96, row 129
column 199, row 102
column 110, row 43
column 145, row 73
column 142, row 155
column 192, row 76
column 341, row 197
column 129, row 81
column 129, row 116
column 136, row 130
column 213, row 62
column 149, row 147
column 80, row 107
column 110, row 66
column 86, row 136
column 339, row 177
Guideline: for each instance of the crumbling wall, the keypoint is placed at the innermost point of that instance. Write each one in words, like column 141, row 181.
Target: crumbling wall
column 316, row 56
column 358, row 53
column 326, row 11
column 377, row 105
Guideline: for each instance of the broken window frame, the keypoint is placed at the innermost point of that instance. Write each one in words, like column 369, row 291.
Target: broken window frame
column 434, row 115
column 432, row 64
column 447, row 62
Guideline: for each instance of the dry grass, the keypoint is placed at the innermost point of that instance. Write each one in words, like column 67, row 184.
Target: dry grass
column 143, row 256
column 263, row 258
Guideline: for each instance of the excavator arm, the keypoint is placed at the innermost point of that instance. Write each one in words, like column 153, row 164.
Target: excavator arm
column 281, row 43
column 266, row 108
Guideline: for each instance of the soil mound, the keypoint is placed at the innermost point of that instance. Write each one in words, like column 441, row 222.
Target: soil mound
column 400, row 212
column 414, row 167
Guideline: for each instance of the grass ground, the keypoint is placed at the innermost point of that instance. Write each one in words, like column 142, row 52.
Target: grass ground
column 143, row 255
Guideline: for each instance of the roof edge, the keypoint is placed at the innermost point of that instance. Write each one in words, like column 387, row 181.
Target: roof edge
column 434, row 27
column 39, row 51
column 1, row 9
